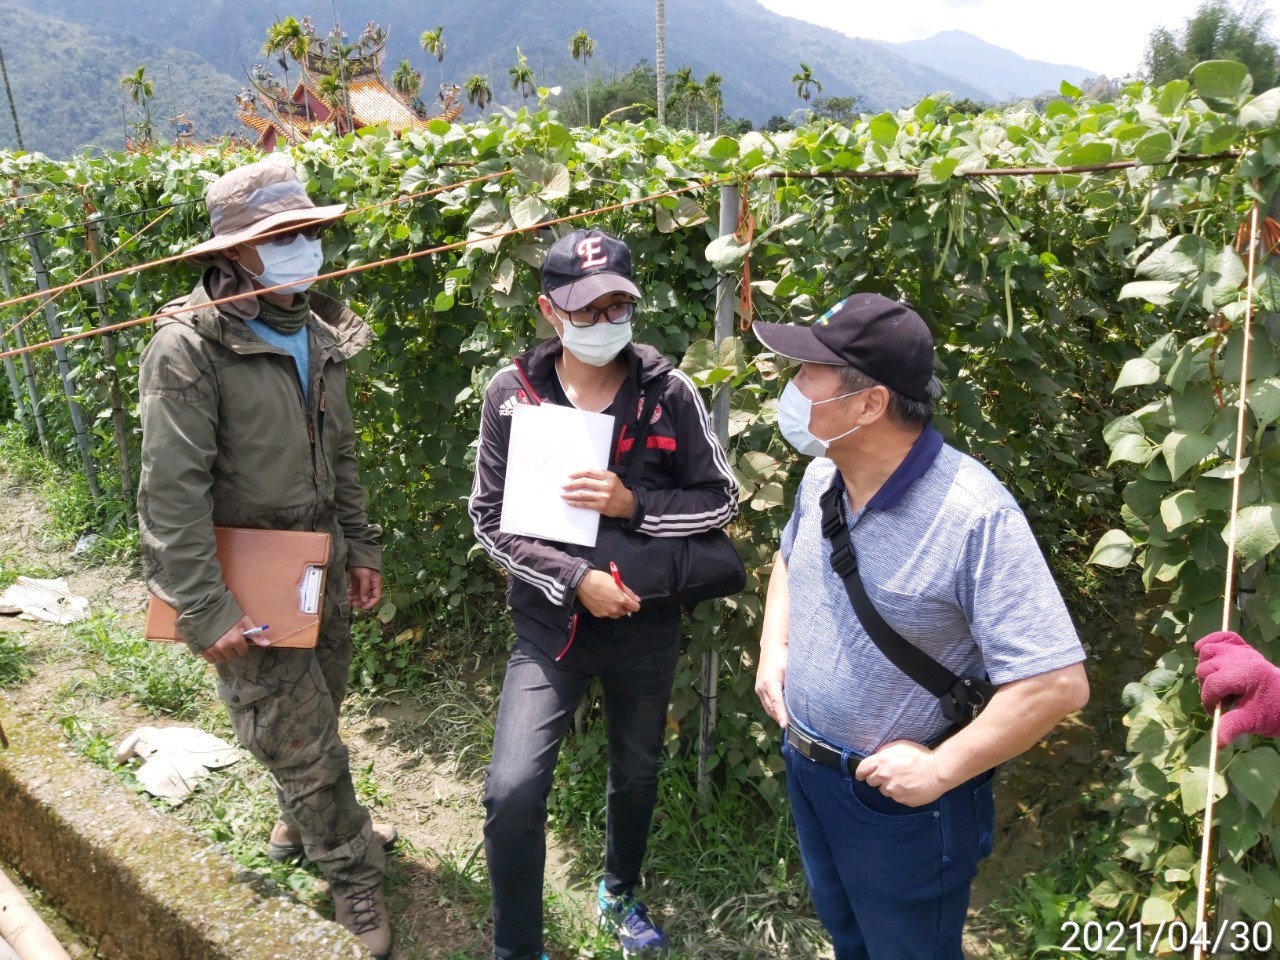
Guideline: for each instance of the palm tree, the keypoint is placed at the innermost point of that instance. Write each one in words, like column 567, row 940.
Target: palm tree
column 582, row 46
column 713, row 93
column 522, row 76
column 407, row 81
column 661, row 60
column 805, row 81
column 478, row 90
column 681, row 81
column 433, row 43
column 287, row 38
column 332, row 89
column 141, row 90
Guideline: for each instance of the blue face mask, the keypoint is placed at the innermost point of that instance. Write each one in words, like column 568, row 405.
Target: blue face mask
column 293, row 262
column 794, row 410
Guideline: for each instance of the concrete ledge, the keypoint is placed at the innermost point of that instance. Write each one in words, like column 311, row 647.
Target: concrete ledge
column 143, row 886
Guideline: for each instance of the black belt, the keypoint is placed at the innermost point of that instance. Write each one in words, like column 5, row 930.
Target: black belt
column 820, row 752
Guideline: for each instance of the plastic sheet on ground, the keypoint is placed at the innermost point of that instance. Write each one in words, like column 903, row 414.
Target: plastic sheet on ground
column 49, row 600
column 177, row 758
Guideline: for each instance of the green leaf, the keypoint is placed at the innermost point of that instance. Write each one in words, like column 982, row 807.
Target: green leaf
column 1194, row 782
column 687, row 213
column 1256, row 775
column 1136, row 373
column 938, row 169
column 1182, row 258
column 1179, row 509
column 1069, row 90
column 1172, row 95
column 1159, row 292
column 1156, row 911
column 1264, row 400
column 884, row 129
column 1182, row 451
column 1221, row 82
column 726, row 253
column 1114, row 550
column 530, row 211
column 1155, row 147
column 1257, row 532
column 1263, row 111
column 723, row 148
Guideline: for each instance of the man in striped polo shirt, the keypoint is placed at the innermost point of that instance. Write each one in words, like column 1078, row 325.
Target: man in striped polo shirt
column 892, row 803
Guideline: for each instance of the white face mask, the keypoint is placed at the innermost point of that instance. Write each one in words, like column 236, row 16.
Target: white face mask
column 794, row 410
column 293, row 262
column 597, row 344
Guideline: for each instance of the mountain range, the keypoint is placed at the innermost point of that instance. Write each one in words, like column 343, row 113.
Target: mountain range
column 65, row 57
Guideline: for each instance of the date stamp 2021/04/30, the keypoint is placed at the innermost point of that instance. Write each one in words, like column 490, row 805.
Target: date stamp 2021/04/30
column 1238, row 936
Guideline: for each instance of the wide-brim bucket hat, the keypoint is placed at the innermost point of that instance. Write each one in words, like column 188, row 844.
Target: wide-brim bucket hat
column 256, row 199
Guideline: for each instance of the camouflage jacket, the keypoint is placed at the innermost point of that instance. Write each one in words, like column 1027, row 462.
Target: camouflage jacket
column 227, row 439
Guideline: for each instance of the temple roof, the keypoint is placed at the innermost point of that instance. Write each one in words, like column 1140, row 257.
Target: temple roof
column 373, row 101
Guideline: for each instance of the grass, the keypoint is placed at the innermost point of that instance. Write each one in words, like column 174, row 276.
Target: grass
column 14, row 665
column 163, row 679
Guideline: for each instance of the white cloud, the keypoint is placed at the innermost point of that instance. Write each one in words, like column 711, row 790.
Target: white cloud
column 1107, row 36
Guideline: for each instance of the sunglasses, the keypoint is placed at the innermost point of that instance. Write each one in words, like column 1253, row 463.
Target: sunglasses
column 312, row 231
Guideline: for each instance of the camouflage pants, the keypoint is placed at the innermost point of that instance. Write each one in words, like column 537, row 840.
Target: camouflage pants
column 284, row 707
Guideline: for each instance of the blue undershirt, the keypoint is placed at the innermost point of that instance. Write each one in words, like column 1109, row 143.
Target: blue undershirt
column 296, row 344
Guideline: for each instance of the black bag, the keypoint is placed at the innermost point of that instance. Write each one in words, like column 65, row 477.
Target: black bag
column 663, row 571
column 961, row 698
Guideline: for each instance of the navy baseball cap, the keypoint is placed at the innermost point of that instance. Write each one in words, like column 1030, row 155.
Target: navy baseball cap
column 584, row 266
column 882, row 338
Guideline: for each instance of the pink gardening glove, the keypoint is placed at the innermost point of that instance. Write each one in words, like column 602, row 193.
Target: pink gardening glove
column 1231, row 670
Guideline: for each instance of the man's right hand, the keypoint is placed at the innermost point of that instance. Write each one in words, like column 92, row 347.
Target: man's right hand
column 604, row 598
column 233, row 644
column 771, row 677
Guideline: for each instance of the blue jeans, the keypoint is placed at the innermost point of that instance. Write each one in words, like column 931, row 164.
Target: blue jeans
column 889, row 882
column 635, row 659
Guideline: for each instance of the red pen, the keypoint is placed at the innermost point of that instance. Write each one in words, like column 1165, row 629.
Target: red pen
column 617, row 577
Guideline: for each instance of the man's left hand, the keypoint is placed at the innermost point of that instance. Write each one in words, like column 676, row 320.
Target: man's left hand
column 904, row 771
column 364, row 587
column 600, row 490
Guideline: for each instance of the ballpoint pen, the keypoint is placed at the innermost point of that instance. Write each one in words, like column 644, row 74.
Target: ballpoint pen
column 255, row 630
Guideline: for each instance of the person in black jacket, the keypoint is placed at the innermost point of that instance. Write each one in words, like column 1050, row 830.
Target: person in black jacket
column 574, row 620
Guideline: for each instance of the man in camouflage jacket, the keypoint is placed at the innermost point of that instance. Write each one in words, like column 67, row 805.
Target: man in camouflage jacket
column 246, row 423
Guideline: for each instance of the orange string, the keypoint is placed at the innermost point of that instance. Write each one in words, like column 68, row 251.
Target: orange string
column 744, row 234
column 402, row 258
column 125, row 271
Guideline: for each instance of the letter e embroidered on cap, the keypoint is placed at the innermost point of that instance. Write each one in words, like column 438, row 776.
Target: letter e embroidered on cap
column 591, row 254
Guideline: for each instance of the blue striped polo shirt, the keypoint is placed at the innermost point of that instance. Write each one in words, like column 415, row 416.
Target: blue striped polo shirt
column 947, row 557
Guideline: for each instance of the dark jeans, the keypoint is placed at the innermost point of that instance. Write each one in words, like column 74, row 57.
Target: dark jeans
column 635, row 659
column 889, row 882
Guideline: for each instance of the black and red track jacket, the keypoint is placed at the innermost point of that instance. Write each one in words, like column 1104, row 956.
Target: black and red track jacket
column 686, row 487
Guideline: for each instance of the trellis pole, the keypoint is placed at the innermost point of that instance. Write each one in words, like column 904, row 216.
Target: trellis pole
column 730, row 200
column 93, row 239
column 64, row 370
column 19, row 408
column 28, row 368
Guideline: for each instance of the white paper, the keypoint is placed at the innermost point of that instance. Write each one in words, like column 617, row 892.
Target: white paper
column 548, row 443
column 309, row 590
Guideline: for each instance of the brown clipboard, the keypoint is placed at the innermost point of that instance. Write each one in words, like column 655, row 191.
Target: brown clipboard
column 277, row 577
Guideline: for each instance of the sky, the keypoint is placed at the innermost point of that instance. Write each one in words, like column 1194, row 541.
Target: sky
column 1105, row 36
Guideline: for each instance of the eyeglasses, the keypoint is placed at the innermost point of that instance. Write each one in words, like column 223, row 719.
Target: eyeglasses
column 613, row 313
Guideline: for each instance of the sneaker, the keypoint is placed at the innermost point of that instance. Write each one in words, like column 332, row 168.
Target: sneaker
column 628, row 920
column 363, row 911
column 285, row 843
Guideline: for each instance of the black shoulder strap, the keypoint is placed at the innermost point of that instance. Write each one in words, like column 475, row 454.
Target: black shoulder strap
column 640, row 447
column 961, row 697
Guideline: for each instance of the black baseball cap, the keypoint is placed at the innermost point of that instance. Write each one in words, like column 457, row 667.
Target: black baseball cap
column 882, row 338
column 584, row 266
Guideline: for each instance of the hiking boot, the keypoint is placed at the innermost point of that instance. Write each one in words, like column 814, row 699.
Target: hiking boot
column 628, row 920
column 286, row 841
column 363, row 911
